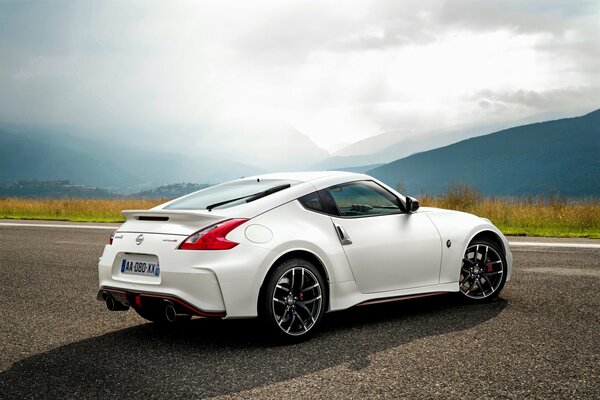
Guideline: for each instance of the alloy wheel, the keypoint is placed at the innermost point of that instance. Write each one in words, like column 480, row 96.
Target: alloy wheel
column 297, row 300
column 482, row 272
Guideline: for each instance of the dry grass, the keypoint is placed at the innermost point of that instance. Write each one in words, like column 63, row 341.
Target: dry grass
column 89, row 210
column 532, row 216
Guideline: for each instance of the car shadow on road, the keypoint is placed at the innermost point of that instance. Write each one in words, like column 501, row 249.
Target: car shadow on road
column 204, row 358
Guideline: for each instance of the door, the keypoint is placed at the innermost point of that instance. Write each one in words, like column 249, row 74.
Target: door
column 387, row 248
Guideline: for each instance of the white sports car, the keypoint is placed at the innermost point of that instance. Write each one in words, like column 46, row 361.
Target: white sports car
column 289, row 247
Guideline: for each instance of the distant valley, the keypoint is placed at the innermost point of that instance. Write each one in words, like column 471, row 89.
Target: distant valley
column 553, row 157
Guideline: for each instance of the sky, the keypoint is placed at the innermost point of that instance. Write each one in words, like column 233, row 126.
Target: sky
column 337, row 71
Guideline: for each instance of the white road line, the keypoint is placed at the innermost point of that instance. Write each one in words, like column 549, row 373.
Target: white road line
column 555, row 244
column 107, row 227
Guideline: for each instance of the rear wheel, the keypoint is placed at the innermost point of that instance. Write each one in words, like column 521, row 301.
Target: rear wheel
column 294, row 300
column 483, row 271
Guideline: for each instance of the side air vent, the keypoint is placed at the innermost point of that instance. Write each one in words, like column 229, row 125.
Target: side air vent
column 152, row 218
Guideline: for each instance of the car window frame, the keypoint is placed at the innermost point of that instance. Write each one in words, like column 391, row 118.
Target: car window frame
column 330, row 207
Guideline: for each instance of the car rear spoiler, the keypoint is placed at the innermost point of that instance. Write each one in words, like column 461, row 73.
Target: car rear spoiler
column 173, row 222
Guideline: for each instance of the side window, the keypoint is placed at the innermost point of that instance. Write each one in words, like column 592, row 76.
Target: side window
column 312, row 201
column 364, row 198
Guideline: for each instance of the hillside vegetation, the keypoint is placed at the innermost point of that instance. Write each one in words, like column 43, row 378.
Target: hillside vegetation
column 561, row 156
column 532, row 216
column 61, row 189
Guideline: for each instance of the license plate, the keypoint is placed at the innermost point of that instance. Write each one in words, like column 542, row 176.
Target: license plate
column 137, row 267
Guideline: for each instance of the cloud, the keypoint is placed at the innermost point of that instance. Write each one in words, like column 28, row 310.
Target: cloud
column 338, row 72
column 555, row 100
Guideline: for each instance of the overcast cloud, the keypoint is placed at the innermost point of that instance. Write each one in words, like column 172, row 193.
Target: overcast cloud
column 338, row 71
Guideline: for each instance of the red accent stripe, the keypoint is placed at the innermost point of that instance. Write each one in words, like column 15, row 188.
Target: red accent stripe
column 400, row 298
column 183, row 303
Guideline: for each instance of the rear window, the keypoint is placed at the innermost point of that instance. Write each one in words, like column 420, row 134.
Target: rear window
column 240, row 190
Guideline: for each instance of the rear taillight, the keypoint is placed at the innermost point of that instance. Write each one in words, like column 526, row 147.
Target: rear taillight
column 213, row 237
column 112, row 237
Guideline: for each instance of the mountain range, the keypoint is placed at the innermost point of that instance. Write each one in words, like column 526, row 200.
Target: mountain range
column 34, row 152
column 553, row 157
column 559, row 156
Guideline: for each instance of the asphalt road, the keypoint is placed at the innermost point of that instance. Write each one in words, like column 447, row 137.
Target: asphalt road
column 540, row 339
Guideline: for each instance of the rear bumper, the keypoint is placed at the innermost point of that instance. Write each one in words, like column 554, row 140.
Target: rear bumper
column 145, row 300
column 216, row 283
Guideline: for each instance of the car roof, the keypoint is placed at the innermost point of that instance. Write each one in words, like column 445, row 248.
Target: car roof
column 308, row 182
column 317, row 178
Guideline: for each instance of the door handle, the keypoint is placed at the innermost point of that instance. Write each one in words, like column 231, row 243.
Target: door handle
column 344, row 238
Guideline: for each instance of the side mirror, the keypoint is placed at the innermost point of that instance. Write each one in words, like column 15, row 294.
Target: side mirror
column 412, row 204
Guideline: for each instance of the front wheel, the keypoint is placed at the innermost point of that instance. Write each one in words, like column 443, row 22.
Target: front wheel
column 294, row 300
column 483, row 271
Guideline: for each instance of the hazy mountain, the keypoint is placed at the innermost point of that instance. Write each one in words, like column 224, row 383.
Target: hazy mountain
column 53, row 189
column 361, row 168
column 271, row 145
column 123, row 167
column 393, row 145
column 136, row 158
column 171, row 191
column 561, row 156
column 390, row 146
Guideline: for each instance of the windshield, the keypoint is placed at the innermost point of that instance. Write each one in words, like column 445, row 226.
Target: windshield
column 222, row 193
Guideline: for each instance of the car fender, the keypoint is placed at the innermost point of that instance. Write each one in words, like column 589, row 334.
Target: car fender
column 457, row 229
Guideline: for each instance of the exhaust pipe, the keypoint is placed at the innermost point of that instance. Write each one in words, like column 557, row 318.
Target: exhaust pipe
column 170, row 312
column 114, row 305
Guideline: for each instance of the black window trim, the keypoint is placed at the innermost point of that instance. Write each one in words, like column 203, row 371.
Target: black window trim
column 330, row 208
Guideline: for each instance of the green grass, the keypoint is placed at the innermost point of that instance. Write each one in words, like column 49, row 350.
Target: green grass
column 534, row 216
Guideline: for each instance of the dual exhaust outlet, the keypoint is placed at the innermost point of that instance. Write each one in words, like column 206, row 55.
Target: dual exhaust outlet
column 166, row 309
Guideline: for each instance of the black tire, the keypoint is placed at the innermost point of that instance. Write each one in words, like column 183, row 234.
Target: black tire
column 483, row 271
column 293, row 301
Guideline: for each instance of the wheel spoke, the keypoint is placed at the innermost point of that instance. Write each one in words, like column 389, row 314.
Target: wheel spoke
column 283, row 316
column 465, row 279
column 311, row 300
column 492, row 273
column 279, row 301
column 301, row 321
column 310, row 287
column 486, row 254
column 481, row 289
column 283, row 288
column 291, row 323
column 303, row 307
column 485, row 278
column 292, row 284
column 471, row 286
